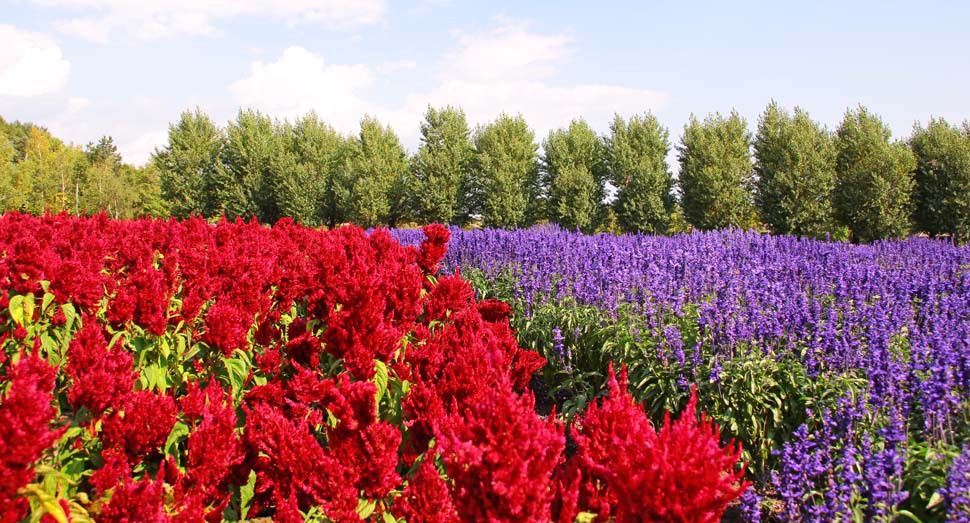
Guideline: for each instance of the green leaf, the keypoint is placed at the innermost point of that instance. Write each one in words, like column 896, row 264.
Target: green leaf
column 47, row 300
column 47, row 501
column 179, row 430
column 380, row 379
column 238, row 370
column 365, row 507
column 16, row 309
column 246, row 493
column 70, row 314
column 154, row 377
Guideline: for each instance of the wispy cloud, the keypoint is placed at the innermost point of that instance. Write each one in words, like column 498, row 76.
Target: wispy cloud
column 152, row 19
column 31, row 64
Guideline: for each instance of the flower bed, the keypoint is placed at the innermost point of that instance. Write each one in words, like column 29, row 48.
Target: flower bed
column 182, row 371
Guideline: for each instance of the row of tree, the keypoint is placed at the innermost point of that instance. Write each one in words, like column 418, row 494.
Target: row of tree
column 793, row 176
column 40, row 172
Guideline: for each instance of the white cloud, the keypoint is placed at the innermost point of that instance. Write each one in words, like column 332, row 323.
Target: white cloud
column 399, row 65
column 512, row 69
column 508, row 52
column 507, row 69
column 300, row 81
column 151, row 19
column 31, row 64
column 545, row 107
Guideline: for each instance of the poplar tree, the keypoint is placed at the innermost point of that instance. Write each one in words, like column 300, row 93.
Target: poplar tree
column 250, row 187
column 506, row 171
column 874, row 178
column 189, row 165
column 716, row 174
column 942, row 192
column 441, row 188
column 371, row 191
column 636, row 159
column 312, row 156
column 573, row 177
column 795, row 166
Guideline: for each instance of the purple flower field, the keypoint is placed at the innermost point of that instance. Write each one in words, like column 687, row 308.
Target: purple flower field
column 877, row 337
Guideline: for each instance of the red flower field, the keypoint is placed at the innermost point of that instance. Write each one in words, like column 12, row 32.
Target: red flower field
column 183, row 371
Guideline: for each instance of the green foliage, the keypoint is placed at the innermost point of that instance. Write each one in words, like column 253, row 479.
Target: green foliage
column 795, row 165
column 105, row 190
column 103, row 151
column 573, row 176
column 189, row 166
column 313, row 154
column 636, row 158
column 18, row 133
column 506, row 171
column 11, row 197
column 371, row 188
column 874, row 178
column 440, row 189
column 572, row 203
column 927, row 466
column 250, row 186
column 757, row 395
column 716, row 174
column 942, row 192
column 47, row 176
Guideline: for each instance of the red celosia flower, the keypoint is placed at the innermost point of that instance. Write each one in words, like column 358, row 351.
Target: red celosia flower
column 136, row 501
column 371, row 455
column 293, row 469
column 143, row 297
column 426, row 498
column 101, row 377
column 214, row 454
column 434, row 247
column 25, row 416
column 141, row 424
column 634, row 474
column 114, row 471
column 226, row 326
column 501, row 457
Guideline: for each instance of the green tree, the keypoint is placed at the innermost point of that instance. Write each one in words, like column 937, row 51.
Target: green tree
column 48, row 172
column 106, row 189
column 574, row 176
column 716, row 177
column 17, row 132
column 189, row 165
column 103, row 151
column 371, row 188
column 636, row 159
column 12, row 195
column 146, row 193
column 506, row 171
column 942, row 192
column 874, row 178
column 795, row 166
column 251, row 187
column 312, row 156
column 441, row 185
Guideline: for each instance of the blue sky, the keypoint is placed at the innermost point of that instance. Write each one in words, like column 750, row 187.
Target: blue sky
column 127, row 68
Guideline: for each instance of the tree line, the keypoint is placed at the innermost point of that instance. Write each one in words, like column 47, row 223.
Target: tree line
column 791, row 176
column 40, row 172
